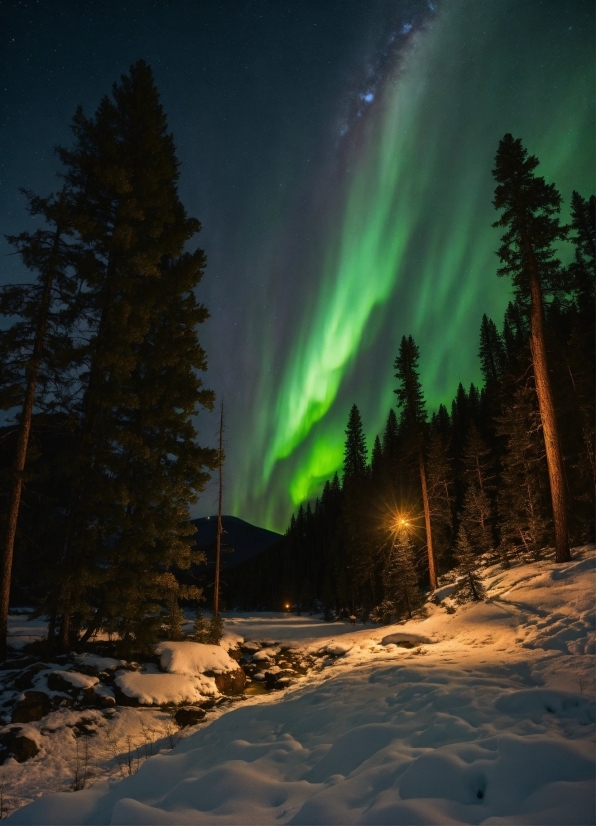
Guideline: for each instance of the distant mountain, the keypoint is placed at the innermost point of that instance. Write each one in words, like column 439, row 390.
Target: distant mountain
column 246, row 540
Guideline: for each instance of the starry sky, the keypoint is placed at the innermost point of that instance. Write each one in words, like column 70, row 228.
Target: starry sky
column 338, row 154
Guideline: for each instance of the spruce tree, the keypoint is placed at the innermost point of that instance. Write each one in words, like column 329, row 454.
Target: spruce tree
column 529, row 216
column 410, row 401
column 469, row 586
column 355, row 460
column 36, row 351
column 440, row 492
column 524, row 517
column 583, row 268
column 139, row 466
column 476, row 516
column 400, row 577
column 491, row 352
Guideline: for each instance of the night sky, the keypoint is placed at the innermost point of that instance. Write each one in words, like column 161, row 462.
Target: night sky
column 338, row 154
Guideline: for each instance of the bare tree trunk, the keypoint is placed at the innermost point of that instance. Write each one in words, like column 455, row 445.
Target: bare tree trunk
column 554, row 458
column 432, row 572
column 219, row 524
column 20, row 459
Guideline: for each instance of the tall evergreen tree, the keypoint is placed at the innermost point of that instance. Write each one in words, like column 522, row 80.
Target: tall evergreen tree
column 440, row 492
column 410, row 401
column 523, row 490
column 36, row 351
column 355, row 459
column 139, row 466
column 583, row 268
column 491, row 352
column 529, row 215
column 476, row 516
column 400, row 577
column 469, row 586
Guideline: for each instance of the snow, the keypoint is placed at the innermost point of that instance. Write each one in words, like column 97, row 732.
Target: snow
column 193, row 658
column 100, row 663
column 165, row 689
column 488, row 719
column 23, row 629
column 77, row 680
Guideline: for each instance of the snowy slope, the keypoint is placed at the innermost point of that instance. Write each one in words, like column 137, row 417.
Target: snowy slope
column 487, row 719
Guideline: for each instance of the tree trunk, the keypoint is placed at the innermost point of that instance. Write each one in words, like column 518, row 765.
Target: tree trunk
column 20, row 459
column 219, row 525
column 432, row 573
column 554, row 458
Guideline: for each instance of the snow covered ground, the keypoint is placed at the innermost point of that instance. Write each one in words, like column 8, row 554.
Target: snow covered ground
column 484, row 715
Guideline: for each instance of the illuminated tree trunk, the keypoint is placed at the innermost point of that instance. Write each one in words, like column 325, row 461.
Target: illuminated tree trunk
column 554, row 458
column 432, row 572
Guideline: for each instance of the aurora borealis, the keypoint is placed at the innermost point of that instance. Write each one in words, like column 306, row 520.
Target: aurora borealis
column 338, row 156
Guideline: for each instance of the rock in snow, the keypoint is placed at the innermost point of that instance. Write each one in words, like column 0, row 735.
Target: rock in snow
column 194, row 658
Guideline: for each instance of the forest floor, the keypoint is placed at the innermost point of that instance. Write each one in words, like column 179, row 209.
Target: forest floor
column 474, row 714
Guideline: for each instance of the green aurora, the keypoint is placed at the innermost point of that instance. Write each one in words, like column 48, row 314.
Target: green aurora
column 408, row 245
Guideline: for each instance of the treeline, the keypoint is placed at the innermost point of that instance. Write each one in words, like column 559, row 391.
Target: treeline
column 508, row 470
column 100, row 372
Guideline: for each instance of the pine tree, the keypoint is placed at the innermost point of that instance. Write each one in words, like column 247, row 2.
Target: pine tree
column 583, row 268
column 529, row 215
column 469, row 585
column 400, row 577
column 355, row 460
column 376, row 462
column 139, row 466
column 412, row 424
column 440, row 492
column 491, row 352
column 523, row 490
column 476, row 516
column 36, row 351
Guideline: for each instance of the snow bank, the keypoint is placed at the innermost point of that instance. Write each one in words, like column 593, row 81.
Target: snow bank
column 165, row 689
column 379, row 745
column 194, row 658
column 488, row 725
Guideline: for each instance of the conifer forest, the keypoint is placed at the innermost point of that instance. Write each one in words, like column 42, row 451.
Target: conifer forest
column 102, row 373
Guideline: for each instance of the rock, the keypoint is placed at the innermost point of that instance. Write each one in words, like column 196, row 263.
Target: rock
column 250, row 647
column 25, row 680
column 283, row 682
column 14, row 741
column 230, row 682
column 19, row 662
column 270, row 679
column 33, row 706
column 209, row 702
column 70, row 682
column 56, row 682
column 189, row 716
column 123, row 699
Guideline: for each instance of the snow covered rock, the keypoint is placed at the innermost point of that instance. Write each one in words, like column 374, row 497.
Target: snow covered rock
column 96, row 664
column 70, row 681
column 22, row 742
column 402, row 639
column 32, row 706
column 189, row 716
column 162, row 689
column 27, row 677
column 196, row 659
